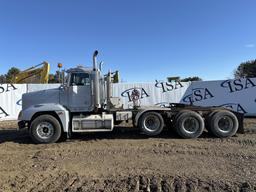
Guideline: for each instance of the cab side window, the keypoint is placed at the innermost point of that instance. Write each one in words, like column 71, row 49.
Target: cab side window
column 80, row 79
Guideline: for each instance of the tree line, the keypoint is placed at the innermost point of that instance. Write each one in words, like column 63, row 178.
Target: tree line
column 245, row 69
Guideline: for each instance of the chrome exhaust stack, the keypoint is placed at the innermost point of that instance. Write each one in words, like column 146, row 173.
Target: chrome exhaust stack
column 95, row 60
column 96, row 88
column 109, row 90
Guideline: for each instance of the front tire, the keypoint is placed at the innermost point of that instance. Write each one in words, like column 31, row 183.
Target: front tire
column 45, row 129
column 151, row 123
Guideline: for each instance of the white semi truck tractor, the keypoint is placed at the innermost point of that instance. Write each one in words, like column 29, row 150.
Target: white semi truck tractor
column 84, row 103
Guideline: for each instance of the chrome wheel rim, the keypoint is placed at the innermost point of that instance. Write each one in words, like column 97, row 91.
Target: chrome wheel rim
column 152, row 123
column 191, row 125
column 45, row 130
column 225, row 124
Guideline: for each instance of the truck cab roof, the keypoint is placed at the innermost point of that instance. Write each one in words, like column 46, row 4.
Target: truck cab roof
column 80, row 69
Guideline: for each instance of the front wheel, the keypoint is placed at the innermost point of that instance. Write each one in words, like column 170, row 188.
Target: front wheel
column 45, row 129
column 151, row 123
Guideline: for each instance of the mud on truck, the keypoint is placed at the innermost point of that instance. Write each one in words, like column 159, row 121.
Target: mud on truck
column 84, row 103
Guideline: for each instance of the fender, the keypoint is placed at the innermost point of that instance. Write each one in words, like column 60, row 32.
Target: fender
column 62, row 112
column 142, row 111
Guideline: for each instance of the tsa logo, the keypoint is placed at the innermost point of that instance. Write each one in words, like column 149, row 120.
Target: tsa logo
column 19, row 102
column 198, row 94
column 3, row 113
column 6, row 87
column 235, row 107
column 238, row 84
column 135, row 94
column 166, row 87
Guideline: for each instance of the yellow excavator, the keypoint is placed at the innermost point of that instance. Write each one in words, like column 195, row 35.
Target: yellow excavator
column 35, row 74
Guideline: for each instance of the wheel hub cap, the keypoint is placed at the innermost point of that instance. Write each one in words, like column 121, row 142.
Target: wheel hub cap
column 191, row 125
column 45, row 130
column 225, row 124
column 152, row 123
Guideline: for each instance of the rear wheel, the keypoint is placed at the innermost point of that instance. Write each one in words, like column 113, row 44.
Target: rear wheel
column 189, row 124
column 223, row 124
column 45, row 129
column 151, row 123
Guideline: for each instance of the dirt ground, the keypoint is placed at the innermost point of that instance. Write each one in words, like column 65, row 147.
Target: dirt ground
column 128, row 161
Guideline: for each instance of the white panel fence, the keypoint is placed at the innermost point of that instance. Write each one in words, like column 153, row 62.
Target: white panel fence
column 236, row 94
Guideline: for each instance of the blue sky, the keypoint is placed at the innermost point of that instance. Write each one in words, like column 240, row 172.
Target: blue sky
column 144, row 39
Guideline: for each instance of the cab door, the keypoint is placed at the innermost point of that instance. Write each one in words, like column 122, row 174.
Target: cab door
column 80, row 92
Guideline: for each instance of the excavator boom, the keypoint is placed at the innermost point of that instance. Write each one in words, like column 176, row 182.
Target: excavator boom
column 34, row 74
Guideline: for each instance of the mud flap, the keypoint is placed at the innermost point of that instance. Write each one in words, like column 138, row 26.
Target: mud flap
column 22, row 125
column 240, row 117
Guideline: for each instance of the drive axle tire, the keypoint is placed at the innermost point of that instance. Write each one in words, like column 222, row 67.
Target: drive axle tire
column 223, row 124
column 45, row 129
column 151, row 123
column 189, row 124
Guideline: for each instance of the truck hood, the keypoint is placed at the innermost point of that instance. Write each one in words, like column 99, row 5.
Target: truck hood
column 40, row 97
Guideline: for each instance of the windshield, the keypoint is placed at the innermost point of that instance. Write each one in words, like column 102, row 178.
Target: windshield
column 80, row 79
